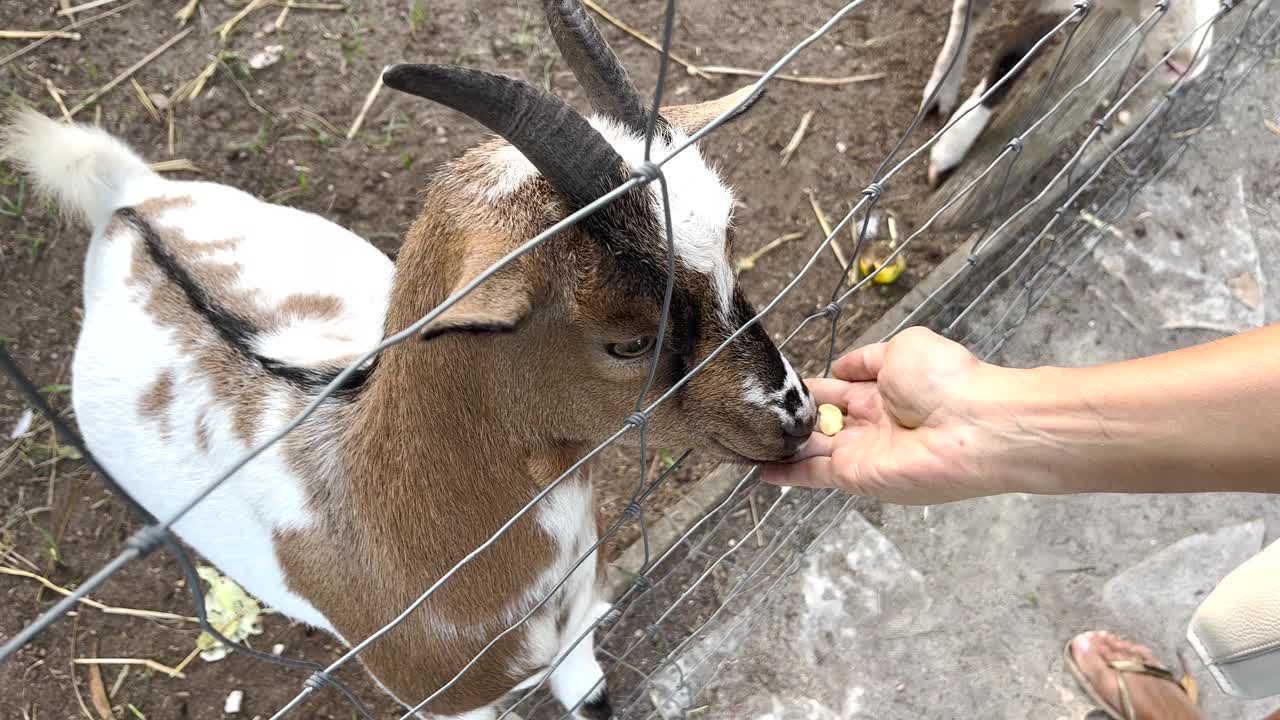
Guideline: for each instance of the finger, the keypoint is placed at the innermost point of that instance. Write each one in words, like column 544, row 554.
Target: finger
column 828, row 390
column 862, row 401
column 818, row 445
column 815, row 472
column 861, row 364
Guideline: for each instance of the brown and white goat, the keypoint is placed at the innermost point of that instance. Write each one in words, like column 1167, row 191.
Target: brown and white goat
column 212, row 318
column 1034, row 20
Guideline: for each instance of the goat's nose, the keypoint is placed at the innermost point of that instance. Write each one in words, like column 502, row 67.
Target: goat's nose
column 797, row 430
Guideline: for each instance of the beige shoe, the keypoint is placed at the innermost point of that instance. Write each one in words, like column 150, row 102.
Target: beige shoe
column 1236, row 630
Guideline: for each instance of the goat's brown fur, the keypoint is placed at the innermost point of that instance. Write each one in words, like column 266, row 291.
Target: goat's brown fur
column 154, row 404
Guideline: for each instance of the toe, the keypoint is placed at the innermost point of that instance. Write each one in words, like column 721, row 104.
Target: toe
column 1153, row 697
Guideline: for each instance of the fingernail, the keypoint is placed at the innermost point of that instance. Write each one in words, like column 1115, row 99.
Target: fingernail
column 1084, row 643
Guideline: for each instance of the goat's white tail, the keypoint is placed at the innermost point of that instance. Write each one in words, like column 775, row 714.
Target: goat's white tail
column 84, row 169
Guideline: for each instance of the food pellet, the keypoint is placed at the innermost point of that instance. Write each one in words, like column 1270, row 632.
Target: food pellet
column 830, row 419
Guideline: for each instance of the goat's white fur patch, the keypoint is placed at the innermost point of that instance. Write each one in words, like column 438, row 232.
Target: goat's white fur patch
column 755, row 393
column 808, row 409
column 567, row 515
column 122, row 349
column 701, row 204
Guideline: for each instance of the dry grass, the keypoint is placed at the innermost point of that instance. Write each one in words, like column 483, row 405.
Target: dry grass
column 70, row 11
column 224, row 30
column 96, row 94
column 827, row 232
column 708, row 71
column 749, row 262
column 108, row 609
column 364, row 109
column 796, row 139
column 145, row 662
column 38, row 35
column 175, row 165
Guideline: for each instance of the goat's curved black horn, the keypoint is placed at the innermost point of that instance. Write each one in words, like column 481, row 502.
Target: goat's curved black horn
column 573, row 156
column 598, row 70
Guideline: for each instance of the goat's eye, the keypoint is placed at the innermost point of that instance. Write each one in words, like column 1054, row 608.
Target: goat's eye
column 631, row 349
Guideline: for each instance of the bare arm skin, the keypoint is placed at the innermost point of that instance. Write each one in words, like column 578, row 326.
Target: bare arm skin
column 927, row 423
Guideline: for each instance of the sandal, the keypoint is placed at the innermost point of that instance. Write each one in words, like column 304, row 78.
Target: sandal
column 1127, row 712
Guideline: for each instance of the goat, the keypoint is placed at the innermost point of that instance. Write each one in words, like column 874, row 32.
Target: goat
column 1035, row 19
column 212, row 318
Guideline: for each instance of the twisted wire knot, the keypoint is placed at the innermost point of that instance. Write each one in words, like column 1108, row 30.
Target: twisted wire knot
column 1162, row 5
column 646, row 171
column 831, row 310
column 972, row 259
column 1015, row 145
column 637, row 420
column 319, row 680
column 632, row 511
column 1082, row 5
column 147, row 539
column 642, row 581
column 874, row 191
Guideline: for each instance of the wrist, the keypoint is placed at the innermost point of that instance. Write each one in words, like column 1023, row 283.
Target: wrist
column 1034, row 428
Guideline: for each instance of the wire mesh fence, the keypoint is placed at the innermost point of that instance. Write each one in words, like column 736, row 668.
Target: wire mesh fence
column 689, row 601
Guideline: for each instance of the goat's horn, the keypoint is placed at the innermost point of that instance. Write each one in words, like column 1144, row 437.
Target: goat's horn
column 573, row 156
column 598, row 70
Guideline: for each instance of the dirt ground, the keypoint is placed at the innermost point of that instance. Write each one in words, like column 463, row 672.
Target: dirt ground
column 279, row 132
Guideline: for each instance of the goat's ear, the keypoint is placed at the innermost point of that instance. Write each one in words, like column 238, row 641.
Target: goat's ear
column 498, row 305
column 691, row 118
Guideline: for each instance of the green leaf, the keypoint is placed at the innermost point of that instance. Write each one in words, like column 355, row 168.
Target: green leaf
column 52, row 545
column 666, row 457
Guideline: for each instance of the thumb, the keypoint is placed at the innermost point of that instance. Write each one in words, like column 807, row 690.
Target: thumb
column 860, row 365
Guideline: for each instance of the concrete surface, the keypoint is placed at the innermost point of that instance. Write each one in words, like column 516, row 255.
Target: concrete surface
column 962, row 610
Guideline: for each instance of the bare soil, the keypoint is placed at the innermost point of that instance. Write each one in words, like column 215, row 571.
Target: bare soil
column 278, row 132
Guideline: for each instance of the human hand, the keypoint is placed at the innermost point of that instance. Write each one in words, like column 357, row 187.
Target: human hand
column 915, row 424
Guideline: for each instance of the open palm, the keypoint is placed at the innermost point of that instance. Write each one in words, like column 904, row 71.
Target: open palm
column 909, row 436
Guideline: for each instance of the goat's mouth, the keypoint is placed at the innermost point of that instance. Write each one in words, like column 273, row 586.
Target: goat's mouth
column 720, row 447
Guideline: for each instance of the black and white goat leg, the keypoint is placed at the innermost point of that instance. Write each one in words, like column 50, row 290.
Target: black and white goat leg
column 958, row 45
column 974, row 115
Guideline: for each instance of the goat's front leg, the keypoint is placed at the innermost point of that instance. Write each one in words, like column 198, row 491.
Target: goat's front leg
column 958, row 45
column 581, row 679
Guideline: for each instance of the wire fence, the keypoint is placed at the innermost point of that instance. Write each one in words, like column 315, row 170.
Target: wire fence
column 690, row 601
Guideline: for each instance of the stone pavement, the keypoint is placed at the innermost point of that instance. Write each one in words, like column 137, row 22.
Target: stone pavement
column 962, row 610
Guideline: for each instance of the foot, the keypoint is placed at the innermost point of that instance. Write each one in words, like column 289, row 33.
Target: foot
column 948, row 88
column 1153, row 698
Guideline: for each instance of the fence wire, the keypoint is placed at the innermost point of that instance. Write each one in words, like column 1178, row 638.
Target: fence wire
column 690, row 604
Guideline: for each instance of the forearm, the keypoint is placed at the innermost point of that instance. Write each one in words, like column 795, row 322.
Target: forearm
column 1205, row 418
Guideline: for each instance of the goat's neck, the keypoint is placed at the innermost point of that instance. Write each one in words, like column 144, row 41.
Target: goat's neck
column 433, row 456
column 442, row 423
